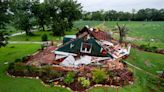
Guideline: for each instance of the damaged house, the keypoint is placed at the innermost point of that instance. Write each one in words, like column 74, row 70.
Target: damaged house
column 89, row 46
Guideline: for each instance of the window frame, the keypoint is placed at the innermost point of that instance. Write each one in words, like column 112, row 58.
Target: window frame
column 86, row 49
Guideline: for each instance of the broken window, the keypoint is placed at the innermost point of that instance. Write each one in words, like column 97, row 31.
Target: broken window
column 86, row 48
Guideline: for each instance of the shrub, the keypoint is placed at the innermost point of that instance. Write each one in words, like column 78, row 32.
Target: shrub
column 69, row 78
column 143, row 46
column 32, row 69
column 12, row 47
column 112, row 74
column 148, row 48
column 48, row 70
column 18, row 60
column 24, row 58
column 98, row 75
column 44, row 37
column 27, row 39
column 11, row 66
column 153, row 49
column 84, row 81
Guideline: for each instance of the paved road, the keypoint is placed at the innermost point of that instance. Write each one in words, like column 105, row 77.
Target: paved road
column 19, row 33
column 24, row 42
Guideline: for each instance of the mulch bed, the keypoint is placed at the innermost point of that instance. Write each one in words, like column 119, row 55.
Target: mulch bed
column 124, row 78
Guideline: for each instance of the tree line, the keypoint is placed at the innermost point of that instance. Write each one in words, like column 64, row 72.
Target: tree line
column 55, row 15
column 147, row 14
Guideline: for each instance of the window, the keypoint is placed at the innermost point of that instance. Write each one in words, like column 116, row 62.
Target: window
column 86, row 48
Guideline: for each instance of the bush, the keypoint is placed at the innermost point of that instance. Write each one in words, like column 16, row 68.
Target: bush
column 24, row 58
column 84, row 81
column 49, row 72
column 12, row 47
column 98, row 75
column 27, row 39
column 143, row 46
column 112, row 74
column 148, row 48
column 69, row 78
column 11, row 66
column 18, row 60
column 153, row 49
column 20, row 67
column 44, row 37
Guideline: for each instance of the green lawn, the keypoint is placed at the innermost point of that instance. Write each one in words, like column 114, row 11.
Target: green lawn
column 38, row 34
column 150, row 62
column 36, row 37
column 80, row 24
column 139, row 30
column 146, row 60
column 141, row 83
column 144, row 31
column 8, row 84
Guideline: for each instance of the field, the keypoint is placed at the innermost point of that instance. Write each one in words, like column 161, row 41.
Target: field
column 141, row 31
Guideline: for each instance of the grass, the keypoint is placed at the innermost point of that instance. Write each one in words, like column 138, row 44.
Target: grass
column 8, row 84
column 24, row 84
column 141, row 83
column 143, row 30
column 139, row 30
column 36, row 37
column 80, row 24
column 150, row 62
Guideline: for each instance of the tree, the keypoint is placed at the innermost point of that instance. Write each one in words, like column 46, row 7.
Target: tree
column 133, row 14
column 4, row 18
column 161, row 15
column 148, row 14
column 97, row 15
column 122, row 32
column 70, row 11
column 40, row 12
column 64, row 13
column 86, row 16
column 23, row 17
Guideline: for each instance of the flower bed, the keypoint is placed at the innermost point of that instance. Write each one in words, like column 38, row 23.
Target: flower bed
column 76, row 80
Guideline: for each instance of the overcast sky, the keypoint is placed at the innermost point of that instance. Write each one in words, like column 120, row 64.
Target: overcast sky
column 120, row 5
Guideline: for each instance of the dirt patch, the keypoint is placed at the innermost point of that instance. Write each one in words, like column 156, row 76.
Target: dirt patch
column 133, row 39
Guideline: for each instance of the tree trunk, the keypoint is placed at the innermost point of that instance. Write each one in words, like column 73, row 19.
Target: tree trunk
column 43, row 29
column 28, row 32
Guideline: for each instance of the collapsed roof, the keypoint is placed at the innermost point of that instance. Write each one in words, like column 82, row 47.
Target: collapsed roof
column 89, row 43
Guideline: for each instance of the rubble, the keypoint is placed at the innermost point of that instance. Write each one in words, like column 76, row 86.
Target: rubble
column 91, row 46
